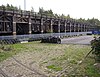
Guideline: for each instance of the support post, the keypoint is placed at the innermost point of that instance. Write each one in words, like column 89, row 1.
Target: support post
column 81, row 27
column 14, row 25
column 4, row 19
column 51, row 23
column 41, row 25
column 74, row 27
column 78, row 27
column 70, row 28
column 84, row 28
column 30, row 30
column 65, row 28
column 59, row 27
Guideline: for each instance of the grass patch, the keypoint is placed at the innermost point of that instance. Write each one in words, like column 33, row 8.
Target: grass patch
column 6, row 54
column 14, row 49
column 55, row 68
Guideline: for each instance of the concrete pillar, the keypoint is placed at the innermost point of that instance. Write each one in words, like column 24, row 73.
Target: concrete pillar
column 59, row 26
column 74, row 27
column 41, row 25
column 70, row 28
column 14, row 25
column 30, row 30
column 78, row 27
column 81, row 27
column 87, row 27
column 51, row 24
column 84, row 28
column 65, row 26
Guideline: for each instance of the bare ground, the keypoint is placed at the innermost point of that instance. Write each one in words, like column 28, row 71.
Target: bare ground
column 33, row 60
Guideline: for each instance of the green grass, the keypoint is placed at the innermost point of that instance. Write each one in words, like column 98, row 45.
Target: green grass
column 14, row 49
column 53, row 67
column 71, row 55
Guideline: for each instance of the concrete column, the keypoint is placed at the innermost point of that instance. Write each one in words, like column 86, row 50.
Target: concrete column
column 84, row 28
column 14, row 25
column 78, row 27
column 59, row 26
column 65, row 26
column 81, row 27
column 30, row 30
column 74, row 27
column 51, row 23
column 70, row 28
column 87, row 28
column 41, row 25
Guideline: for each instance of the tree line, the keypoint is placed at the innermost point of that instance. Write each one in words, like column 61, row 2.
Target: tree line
column 93, row 21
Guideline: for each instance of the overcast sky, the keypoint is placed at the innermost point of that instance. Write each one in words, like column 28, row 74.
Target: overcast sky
column 75, row 8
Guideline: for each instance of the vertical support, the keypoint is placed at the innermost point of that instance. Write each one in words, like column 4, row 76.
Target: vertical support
column 74, row 27
column 78, row 27
column 51, row 23
column 84, row 28
column 41, row 25
column 59, row 26
column 70, row 28
column 30, row 30
column 4, row 24
column 88, row 27
column 14, row 25
column 4, row 20
column 65, row 28
column 81, row 27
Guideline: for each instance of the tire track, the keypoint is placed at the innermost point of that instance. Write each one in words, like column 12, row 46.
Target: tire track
column 33, row 70
column 2, row 72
